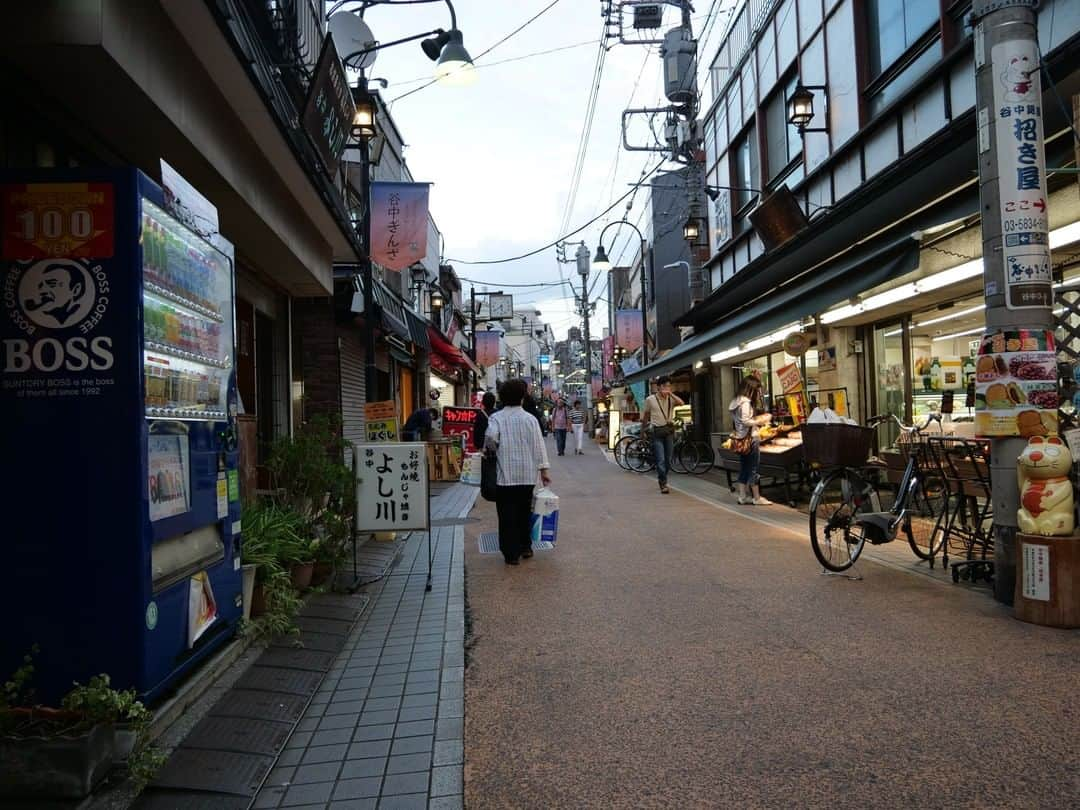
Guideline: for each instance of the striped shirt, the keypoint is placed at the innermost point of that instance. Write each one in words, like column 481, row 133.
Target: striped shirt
column 515, row 435
column 577, row 416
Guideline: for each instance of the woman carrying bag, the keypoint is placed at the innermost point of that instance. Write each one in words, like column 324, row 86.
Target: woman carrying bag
column 745, row 442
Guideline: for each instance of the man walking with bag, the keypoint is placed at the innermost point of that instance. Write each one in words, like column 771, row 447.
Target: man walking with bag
column 514, row 435
column 657, row 416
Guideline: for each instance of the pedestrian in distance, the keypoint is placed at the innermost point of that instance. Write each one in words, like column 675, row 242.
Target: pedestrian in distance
column 560, row 423
column 657, row 417
column 487, row 407
column 577, row 421
column 747, row 419
column 529, row 404
column 514, row 435
column 419, row 425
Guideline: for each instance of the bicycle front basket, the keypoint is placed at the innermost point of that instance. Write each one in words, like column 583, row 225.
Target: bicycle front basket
column 836, row 445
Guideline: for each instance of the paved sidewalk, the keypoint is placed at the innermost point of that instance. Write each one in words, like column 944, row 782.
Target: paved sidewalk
column 385, row 728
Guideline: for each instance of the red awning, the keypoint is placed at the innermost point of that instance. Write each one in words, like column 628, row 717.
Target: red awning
column 447, row 351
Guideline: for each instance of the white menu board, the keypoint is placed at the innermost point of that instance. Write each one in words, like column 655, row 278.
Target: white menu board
column 391, row 487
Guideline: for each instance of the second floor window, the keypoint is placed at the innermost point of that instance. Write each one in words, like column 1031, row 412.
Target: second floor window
column 744, row 169
column 894, row 26
column 782, row 140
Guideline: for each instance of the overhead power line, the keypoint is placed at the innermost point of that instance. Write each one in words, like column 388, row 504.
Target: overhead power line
column 561, row 238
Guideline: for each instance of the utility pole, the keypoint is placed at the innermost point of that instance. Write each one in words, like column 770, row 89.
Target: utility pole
column 582, row 257
column 1017, row 271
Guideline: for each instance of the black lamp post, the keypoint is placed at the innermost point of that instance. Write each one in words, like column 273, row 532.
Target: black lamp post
column 454, row 66
column 601, row 262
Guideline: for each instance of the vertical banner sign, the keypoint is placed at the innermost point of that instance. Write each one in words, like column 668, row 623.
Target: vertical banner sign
column 487, row 349
column 399, row 224
column 58, row 262
column 597, row 385
column 391, row 488
column 607, row 350
column 1019, row 131
column 628, row 329
column 547, row 387
column 458, row 421
column 329, row 109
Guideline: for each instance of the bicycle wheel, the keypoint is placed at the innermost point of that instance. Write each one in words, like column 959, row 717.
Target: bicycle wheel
column 927, row 518
column 836, row 539
column 639, row 456
column 706, row 458
column 620, row 450
column 684, row 457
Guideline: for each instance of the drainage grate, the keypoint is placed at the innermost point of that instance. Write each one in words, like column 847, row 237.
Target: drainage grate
column 240, row 734
column 216, row 771
column 314, row 660
column 489, row 544
column 260, row 705
column 275, row 679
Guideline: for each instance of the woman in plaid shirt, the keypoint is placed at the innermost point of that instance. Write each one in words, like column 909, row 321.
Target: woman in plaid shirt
column 514, row 435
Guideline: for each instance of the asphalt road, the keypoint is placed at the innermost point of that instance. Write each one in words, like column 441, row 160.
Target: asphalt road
column 670, row 653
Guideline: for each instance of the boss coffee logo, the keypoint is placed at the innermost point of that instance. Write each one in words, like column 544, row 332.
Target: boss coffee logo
column 56, row 304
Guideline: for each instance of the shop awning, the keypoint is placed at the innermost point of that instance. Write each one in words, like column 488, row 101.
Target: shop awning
column 853, row 273
column 418, row 329
column 448, row 352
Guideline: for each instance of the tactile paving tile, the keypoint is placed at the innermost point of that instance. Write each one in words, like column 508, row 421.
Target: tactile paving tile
column 277, row 679
column 241, row 734
column 293, row 658
column 214, row 771
column 488, row 543
column 260, row 705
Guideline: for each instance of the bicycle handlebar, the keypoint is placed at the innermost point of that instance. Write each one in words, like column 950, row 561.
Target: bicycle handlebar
column 874, row 421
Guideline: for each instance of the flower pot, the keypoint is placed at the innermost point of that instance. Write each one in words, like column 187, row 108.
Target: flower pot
column 301, row 575
column 125, row 743
column 248, row 588
column 59, row 766
column 321, row 573
column 258, row 600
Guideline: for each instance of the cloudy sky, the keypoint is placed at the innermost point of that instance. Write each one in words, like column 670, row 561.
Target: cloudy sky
column 501, row 153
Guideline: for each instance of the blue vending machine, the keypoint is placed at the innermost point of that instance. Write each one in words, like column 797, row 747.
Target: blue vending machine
column 120, row 495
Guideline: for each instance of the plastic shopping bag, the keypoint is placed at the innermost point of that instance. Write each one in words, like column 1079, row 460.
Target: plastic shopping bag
column 544, row 524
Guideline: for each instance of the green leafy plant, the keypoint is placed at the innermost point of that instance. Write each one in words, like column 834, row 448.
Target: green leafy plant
column 17, row 690
column 308, row 469
column 98, row 702
column 282, row 605
column 144, row 764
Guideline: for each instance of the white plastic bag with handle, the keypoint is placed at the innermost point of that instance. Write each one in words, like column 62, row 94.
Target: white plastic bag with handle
column 544, row 525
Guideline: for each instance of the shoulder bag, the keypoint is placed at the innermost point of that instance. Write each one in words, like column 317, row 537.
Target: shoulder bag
column 743, row 445
column 666, row 429
column 489, row 476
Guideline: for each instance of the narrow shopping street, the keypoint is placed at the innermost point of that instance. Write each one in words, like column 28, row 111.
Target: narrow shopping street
column 675, row 653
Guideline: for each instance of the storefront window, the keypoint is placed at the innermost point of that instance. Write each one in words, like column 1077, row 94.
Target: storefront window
column 890, row 379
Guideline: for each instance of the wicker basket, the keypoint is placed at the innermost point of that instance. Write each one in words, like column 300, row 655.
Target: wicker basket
column 836, row 445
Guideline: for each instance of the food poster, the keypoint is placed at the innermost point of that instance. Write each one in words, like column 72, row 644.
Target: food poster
column 1016, row 391
column 167, row 476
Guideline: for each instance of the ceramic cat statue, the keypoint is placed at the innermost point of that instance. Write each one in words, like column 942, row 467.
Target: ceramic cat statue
column 1046, row 494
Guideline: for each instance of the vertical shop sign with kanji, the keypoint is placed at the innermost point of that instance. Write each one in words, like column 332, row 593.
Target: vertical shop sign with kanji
column 391, row 488
column 1019, row 134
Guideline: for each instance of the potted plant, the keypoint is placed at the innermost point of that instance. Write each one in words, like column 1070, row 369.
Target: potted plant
column 47, row 752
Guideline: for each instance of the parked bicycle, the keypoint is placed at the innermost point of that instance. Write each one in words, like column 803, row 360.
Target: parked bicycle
column 845, row 509
column 689, row 455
